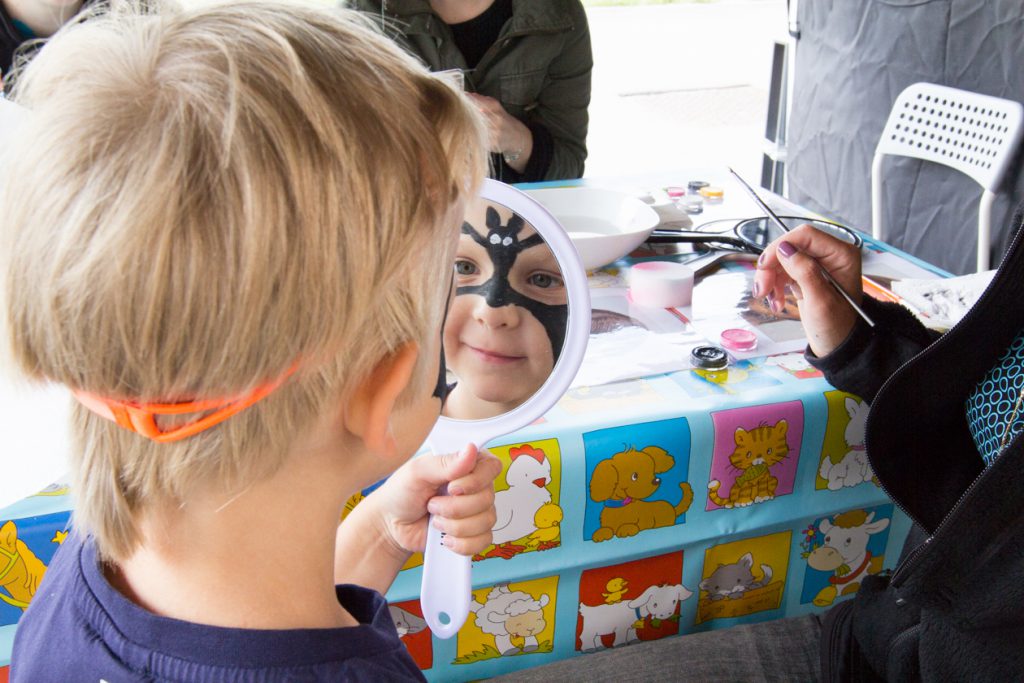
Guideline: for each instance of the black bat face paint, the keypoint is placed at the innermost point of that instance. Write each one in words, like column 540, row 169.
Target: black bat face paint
column 503, row 247
column 443, row 388
column 507, row 324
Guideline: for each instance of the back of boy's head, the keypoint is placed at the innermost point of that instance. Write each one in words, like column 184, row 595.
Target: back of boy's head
column 203, row 199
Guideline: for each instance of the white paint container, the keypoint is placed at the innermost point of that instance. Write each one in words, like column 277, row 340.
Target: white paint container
column 661, row 284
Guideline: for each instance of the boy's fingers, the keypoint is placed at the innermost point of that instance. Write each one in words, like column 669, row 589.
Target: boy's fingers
column 468, row 527
column 458, row 507
column 442, row 469
column 468, row 546
column 481, row 478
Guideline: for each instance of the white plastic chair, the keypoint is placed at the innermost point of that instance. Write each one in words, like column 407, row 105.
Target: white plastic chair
column 975, row 134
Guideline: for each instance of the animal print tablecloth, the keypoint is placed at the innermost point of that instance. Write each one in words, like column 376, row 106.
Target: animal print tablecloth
column 642, row 509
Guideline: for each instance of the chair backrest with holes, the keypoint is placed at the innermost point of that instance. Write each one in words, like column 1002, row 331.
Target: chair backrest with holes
column 972, row 133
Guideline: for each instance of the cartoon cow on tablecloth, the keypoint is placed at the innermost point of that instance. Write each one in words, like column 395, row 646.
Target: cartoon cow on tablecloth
column 845, row 553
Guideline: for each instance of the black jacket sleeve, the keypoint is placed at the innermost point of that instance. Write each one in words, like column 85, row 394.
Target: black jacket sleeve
column 870, row 355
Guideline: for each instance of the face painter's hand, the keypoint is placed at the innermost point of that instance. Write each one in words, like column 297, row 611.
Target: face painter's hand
column 792, row 261
column 466, row 513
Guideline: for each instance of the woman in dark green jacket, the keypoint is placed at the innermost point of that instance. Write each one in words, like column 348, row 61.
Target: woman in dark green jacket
column 526, row 63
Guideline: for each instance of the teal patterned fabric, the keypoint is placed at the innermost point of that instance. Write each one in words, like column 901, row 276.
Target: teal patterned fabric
column 991, row 404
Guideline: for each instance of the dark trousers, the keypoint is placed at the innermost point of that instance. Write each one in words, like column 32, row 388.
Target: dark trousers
column 784, row 650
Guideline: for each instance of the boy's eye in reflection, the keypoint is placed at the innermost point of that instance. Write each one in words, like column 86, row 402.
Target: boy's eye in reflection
column 545, row 280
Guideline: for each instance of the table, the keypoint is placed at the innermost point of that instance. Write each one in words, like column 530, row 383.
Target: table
column 714, row 544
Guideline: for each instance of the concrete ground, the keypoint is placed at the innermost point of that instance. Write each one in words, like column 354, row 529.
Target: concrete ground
column 681, row 85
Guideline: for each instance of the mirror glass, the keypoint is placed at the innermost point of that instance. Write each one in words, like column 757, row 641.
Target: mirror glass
column 506, row 324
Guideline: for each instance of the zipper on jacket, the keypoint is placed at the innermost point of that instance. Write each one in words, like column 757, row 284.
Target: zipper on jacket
column 914, row 554
column 912, row 557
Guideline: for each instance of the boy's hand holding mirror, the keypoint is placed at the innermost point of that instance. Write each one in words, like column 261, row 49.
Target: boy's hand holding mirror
column 514, row 338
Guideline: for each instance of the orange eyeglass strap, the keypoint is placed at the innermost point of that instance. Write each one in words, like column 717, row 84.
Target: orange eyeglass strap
column 141, row 417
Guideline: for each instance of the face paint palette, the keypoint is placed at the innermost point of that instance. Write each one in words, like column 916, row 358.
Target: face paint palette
column 514, row 338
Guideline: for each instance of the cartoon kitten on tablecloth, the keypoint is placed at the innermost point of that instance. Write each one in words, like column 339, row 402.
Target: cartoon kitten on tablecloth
column 732, row 581
column 755, row 453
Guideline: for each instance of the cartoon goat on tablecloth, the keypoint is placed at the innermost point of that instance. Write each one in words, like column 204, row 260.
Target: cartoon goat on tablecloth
column 620, row 618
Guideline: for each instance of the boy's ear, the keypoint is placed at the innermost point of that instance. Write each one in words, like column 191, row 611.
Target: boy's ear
column 367, row 414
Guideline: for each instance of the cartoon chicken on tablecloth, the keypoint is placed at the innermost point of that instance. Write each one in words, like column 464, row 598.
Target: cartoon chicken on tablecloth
column 527, row 478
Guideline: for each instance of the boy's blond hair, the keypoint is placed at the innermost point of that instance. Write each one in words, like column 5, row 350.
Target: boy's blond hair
column 203, row 198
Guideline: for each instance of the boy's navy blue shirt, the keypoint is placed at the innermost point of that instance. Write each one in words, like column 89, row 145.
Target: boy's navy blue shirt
column 80, row 628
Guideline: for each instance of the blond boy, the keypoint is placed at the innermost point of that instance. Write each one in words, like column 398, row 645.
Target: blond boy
column 230, row 231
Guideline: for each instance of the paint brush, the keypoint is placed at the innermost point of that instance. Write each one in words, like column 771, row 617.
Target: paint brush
column 785, row 228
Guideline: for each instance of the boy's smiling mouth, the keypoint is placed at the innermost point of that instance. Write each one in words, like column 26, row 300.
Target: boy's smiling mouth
column 493, row 356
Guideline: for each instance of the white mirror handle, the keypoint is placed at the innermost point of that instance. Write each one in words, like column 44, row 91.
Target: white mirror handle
column 446, row 587
column 445, row 592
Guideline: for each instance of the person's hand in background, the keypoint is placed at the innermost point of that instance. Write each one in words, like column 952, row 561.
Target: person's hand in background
column 508, row 135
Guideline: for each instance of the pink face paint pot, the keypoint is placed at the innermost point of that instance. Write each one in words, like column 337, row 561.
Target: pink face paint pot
column 661, row 284
column 736, row 339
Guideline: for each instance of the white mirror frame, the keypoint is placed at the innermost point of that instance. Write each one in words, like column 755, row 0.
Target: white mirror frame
column 446, row 589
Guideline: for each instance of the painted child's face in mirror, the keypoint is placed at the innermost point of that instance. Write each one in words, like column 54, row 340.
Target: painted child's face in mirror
column 506, row 325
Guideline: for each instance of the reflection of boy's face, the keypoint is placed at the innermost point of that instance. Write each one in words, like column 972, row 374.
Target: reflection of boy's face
column 495, row 344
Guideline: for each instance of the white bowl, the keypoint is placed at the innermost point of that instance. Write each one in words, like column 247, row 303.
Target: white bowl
column 604, row 225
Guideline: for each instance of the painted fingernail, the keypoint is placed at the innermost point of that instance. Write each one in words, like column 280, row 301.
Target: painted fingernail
column 786, row 249
column 756, row 290
column 776, row 305
column 760, row 260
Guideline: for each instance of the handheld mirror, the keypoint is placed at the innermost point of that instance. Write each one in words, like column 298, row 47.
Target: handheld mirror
column 514, row 338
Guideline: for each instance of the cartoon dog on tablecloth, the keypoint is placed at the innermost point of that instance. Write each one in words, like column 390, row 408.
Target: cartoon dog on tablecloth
column 853, row 467
column 623, row 482
column 20, row 569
